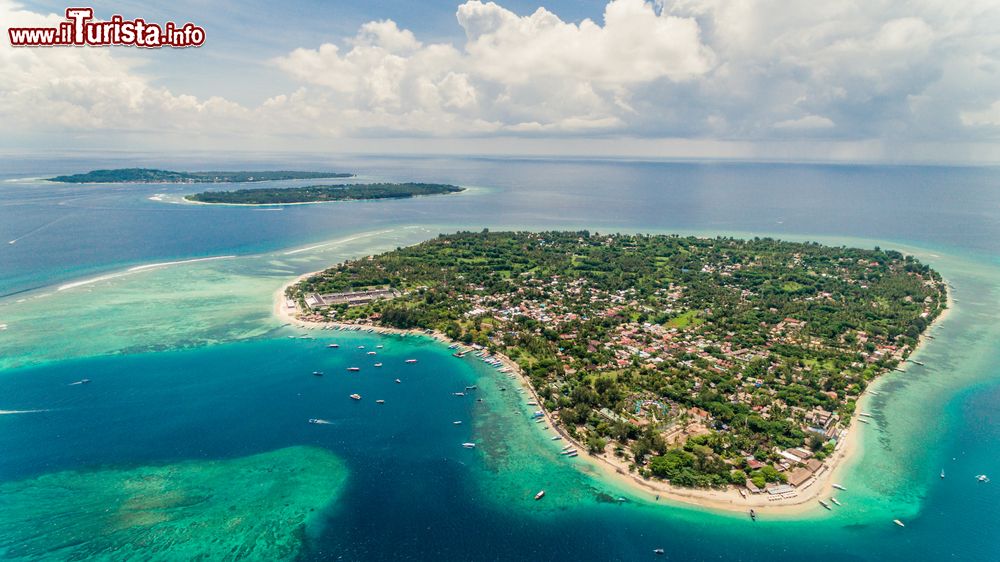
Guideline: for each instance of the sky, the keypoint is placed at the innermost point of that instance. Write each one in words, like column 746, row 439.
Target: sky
column 895, row 81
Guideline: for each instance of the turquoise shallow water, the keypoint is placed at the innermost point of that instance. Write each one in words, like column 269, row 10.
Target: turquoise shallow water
column 188, row 366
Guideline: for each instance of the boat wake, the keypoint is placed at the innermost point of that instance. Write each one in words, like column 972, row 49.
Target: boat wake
column 39, row 229
column 12, row 412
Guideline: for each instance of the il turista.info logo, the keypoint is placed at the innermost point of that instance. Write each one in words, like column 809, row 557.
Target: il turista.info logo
column 80, row 29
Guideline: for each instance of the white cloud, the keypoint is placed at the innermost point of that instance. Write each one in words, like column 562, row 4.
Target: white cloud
column 871, row 72
column 524, row 73
column 989, row 117
column 809, row 122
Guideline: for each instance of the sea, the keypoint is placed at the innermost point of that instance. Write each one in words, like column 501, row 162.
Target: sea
column 192, row 436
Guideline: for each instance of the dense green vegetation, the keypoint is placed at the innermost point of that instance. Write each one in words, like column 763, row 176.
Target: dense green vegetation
column 697, row 360
column 321, row 193
column 149, row 175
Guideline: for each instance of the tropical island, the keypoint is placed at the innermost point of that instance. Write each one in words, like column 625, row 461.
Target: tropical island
column 323, row 193
column 718, row 364
column 150, row 175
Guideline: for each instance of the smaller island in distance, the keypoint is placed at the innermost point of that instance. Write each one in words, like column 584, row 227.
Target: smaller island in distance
column 323, row 193
column 150, row 175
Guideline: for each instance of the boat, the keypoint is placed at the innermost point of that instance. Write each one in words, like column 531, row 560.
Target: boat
column 333, row 346
column 379, row 346
column 573, row 454
column 398, row 381
column 469, row 445
column 658, row 551
column 865, row 414
column 380, row 401
column 540, row 495
column 361, row 347
column 354, row 369
column 473, row 387
column 556, row 437
column 753, row 515
column 942, row 473
column 839, row 487
column 378, row 364
column 457, row 422
column 863, row 420
column 355, row 396
column 982, row 478
column 834, row 500
column 898, row 522
column 318, row 373
column 411, row 360
column 918, row 363
column 458, row 394
column 317, row 420
column 825, row 505
column 81, row 381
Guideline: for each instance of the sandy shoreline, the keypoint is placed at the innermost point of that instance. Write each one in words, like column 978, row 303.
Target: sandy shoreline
column 607, row 466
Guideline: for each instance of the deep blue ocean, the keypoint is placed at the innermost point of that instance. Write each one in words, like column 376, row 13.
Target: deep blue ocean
column 413, row 492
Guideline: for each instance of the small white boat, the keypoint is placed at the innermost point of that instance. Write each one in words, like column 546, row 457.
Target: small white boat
column 378, row 364
column 457, row 422
column 834, row 500
column 380, row 401
column 333, row 346
column 942, row 473
column 361, row 347
column 839, row 487
column 81, row 381
column 469, row 445
column 317, row 373
column 378, row 346
column 355, row 396
column 825, row 505
column 898, row 522
column 398, row 381
column 354, row 369
column 982, row 478
column 540, row 495
column 458, row 394
column 658, row 551
column 411, row 360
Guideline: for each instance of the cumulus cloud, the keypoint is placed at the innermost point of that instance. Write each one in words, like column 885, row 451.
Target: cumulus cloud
column 90, row 89
column 809, row 122
column 748, row 71
column 520, row 73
